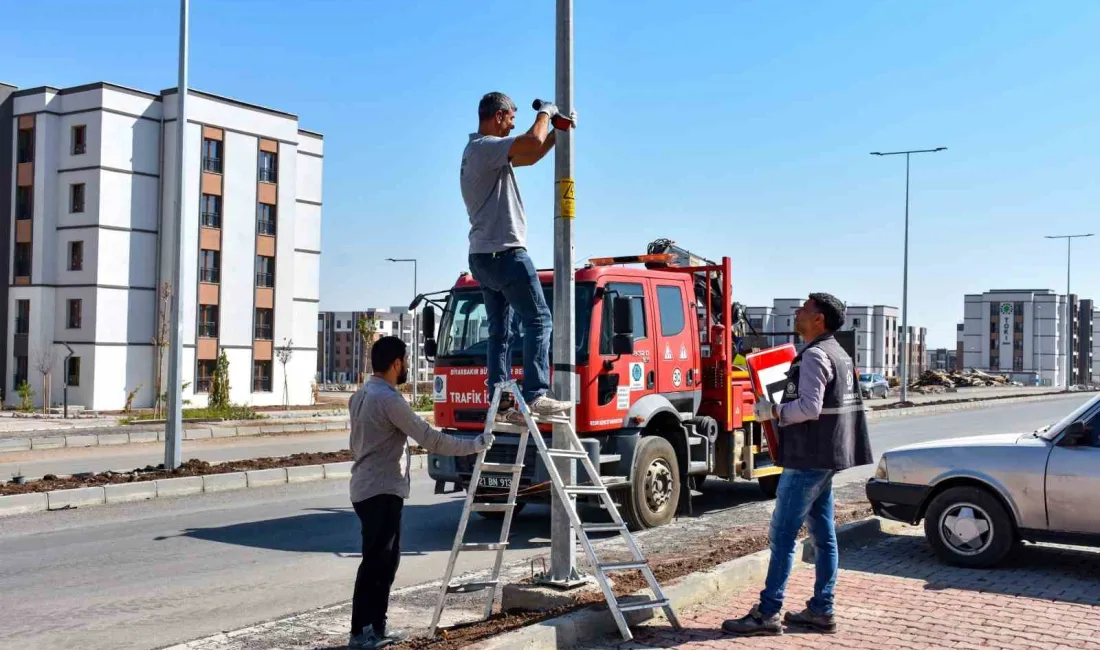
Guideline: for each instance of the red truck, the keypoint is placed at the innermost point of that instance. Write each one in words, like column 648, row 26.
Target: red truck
column 661, row 405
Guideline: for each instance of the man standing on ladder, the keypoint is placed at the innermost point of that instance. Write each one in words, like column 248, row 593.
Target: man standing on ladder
column 822, row 430
column 498, row 239
column 382, row 421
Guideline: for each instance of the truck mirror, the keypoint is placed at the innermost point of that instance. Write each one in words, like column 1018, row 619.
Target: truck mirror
column 430, row 349
column 429, row 322
column 622, row 320
column 622, row 344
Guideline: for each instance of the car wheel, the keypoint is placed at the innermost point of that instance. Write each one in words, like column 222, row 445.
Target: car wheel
column 968, row 527
column 769, row 485
column 654, row 493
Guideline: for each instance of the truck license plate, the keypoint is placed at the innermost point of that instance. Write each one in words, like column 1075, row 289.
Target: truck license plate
column 502, row 482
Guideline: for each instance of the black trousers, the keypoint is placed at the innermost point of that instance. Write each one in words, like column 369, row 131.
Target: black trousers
column 380, row 517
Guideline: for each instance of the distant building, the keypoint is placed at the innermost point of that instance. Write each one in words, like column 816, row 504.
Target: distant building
column 1095, row 346
column 877, row 343
column 1023, row 333
column 918, row 350
column 342, row 355
column 944, row 359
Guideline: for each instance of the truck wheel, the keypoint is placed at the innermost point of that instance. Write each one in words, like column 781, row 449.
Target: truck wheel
column 968, row 527
column 769, row 485
column 655, row 491
column 499, row 516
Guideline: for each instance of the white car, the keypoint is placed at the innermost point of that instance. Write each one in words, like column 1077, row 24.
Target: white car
column 980, row 496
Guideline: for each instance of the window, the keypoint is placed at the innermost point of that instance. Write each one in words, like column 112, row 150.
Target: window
column 670, row 304
column 23, row 259
column 22, row 316
column 637, row 296
column 72, row 372
column 80, row 139
column 263, row 324
column 211, row 156
column 76, row 308
column 261, row 376
column 21, row 367
column 208, row 321
column 265, row 271
column 209, row 265
column 211, row 211
column 25, row 146
column 265, row 219
column 76, row 197
column 76, row 255
column 268, row 164
column 24, row 203
column 204, row 376
column 855, row 322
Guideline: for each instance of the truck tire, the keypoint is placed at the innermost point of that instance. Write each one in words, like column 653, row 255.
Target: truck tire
column 968, row 527
column 769, row 485
column 654, row 493
column 499, row 516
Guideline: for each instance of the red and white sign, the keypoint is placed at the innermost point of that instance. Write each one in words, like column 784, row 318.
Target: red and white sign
column 768, row 370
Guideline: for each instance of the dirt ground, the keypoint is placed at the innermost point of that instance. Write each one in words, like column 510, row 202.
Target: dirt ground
column 693, row 555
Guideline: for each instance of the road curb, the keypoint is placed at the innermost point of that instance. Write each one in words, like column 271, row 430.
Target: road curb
column 966, row 406
column 592, row 624
column 123, row 436
column 17, row 504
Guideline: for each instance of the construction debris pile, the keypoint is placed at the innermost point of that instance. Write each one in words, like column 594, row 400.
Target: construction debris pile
column 931, row 380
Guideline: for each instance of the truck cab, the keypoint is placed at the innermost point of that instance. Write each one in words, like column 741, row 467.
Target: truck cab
column 659, row 406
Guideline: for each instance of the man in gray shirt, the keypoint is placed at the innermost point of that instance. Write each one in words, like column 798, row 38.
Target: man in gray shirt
column 382, row 421
column 498, row 245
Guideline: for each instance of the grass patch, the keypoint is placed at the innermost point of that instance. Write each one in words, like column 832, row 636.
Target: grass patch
column 231, row 412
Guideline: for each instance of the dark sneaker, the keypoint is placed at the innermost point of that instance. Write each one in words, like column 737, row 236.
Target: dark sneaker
column 543, row 406
column 755, row 624
column 395, row 636
column 371, row 640
column 807, row 618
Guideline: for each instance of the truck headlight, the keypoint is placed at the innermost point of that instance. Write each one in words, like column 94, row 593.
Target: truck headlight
column 880, row 472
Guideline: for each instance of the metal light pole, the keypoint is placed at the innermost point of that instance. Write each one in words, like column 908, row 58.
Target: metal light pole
column 1069, row 317
column 563, row 555
column 173, row 426
column 905, row 272
column 416, row 328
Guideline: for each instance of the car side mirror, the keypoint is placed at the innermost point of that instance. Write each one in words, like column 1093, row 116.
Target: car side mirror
column 1075, row 435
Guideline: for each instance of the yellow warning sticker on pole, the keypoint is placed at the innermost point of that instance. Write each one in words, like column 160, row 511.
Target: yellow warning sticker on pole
column 566, row 199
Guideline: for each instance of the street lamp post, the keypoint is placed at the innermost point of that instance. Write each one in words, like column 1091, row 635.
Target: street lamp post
column 1069, row 317
column 416, row 328
column 905, row 272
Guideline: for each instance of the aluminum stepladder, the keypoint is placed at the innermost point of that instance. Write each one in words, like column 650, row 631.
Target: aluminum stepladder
column 566, row 494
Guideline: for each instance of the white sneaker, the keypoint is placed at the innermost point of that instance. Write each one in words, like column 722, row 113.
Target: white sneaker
column 544, row 406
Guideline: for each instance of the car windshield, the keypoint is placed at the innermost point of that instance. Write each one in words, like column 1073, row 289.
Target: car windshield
column 1049, row 432
column 865, row 377
column 464, row 329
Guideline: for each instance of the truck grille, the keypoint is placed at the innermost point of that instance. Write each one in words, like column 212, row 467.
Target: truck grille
column 476, row 416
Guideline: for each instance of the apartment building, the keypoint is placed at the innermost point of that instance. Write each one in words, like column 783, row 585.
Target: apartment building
column 1095, row 347
column 7, row 185
column 1023, row 333
column 877, row 338
column 944, row 359
column 917, row 343
column 342, row 355
column 1085, row 341
column 94, row 176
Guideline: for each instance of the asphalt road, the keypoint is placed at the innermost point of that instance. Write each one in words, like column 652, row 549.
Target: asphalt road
column 149, row 574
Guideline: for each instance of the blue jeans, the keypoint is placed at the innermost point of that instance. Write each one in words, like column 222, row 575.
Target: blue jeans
column 803, row 495
column 510, row 286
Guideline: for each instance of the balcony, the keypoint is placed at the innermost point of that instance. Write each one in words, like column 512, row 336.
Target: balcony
column 202, row 384
column 268, row 175
column 263, row 332
column 212, row 219
column 265, row 227
column 208, row 329
column 266, row 280
column 261, row 384
column 213, row 165
column 22, row 325
column 209, row 275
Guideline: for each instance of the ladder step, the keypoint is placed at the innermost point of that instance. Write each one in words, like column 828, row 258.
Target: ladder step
column 603, row 528
column 610, row 458
column 622, row 566
column 508, row 427
column 501, row 467
column 567, row 453
column 492, row 507
column 649, row 604
column 471, row 587
column 585, row 489
column 484, row 547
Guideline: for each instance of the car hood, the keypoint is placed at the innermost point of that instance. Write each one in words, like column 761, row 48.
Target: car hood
column 992, row 440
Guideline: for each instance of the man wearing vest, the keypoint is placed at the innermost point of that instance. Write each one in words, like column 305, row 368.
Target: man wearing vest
column 822, row 430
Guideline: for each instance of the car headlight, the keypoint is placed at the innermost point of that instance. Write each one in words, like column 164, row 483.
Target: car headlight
column 880, row 472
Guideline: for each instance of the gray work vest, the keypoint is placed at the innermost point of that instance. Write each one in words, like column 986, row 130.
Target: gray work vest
column 838, row 439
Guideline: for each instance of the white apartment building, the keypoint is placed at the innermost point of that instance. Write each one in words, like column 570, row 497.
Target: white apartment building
column 1096, row 346
column 1020, row 333
column 877, row 345
column 95, row 180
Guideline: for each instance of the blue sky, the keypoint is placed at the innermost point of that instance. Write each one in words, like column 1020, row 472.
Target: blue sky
column 739, row 128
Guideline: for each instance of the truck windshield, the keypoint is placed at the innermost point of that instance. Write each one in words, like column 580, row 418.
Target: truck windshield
column 464, row 329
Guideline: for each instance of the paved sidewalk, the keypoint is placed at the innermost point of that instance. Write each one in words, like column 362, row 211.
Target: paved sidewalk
column 895, row 594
